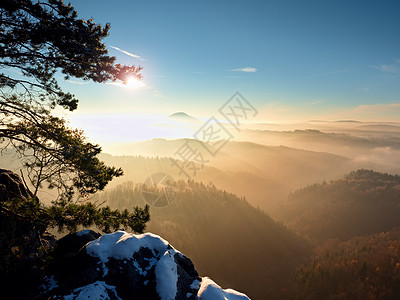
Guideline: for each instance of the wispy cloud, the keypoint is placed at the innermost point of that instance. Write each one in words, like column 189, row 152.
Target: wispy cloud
column 278, row 112
column 394, row 69
column 157, row 94
column 388, row 69
column 128, row 53
column 245, row 69
column 381, row 107
column 316, row 102
column 76, row 82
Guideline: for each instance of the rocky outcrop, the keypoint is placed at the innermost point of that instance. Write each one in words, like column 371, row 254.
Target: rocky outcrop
column 125, row 266
column 17, row 235
column 11, row 186
column 20, row 241
column 87, row 265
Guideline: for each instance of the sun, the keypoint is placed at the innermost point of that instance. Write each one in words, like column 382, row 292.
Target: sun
column 133, row 83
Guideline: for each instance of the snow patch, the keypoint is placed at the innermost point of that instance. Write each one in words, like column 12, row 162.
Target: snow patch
column 96, row 290
column 209, row 290
column 122, row 245
column 166, row 277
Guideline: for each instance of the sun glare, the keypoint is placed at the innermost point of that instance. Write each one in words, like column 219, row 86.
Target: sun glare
column 133, row 83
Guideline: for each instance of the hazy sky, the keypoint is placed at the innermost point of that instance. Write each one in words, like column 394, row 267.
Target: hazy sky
column 293, row 60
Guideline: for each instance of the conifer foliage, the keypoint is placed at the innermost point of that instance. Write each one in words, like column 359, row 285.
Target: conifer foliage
column 39, row 42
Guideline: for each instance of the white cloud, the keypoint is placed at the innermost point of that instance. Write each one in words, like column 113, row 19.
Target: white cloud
column 383, row 107
column 245, row 69
column 128, row 53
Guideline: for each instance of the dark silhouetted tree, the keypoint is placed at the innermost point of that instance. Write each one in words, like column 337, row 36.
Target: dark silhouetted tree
column 38, row 41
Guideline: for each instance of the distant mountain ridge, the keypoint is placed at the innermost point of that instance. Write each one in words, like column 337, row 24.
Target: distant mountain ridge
column 264, row 174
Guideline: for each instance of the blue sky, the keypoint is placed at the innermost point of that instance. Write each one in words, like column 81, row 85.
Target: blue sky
column 304, row 59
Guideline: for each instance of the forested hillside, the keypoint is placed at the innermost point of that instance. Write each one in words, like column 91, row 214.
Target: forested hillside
column 363, row 202
column 362, row 268
column 265, row 175
column 228, row 239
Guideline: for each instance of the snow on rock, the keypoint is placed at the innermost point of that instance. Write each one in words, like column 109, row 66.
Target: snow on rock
column 166, row 277
column 96, row 290
column 209, row 290
column 121, row 265
column 121, row 245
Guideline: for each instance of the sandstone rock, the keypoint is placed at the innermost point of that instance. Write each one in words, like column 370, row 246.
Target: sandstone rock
column 125, row 266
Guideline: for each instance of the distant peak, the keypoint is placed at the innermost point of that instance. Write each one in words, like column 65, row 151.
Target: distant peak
column 182, row 116
column 179, row 114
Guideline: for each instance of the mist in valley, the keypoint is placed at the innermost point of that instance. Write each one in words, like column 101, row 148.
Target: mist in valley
column 286, row 193
column 264, row 166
